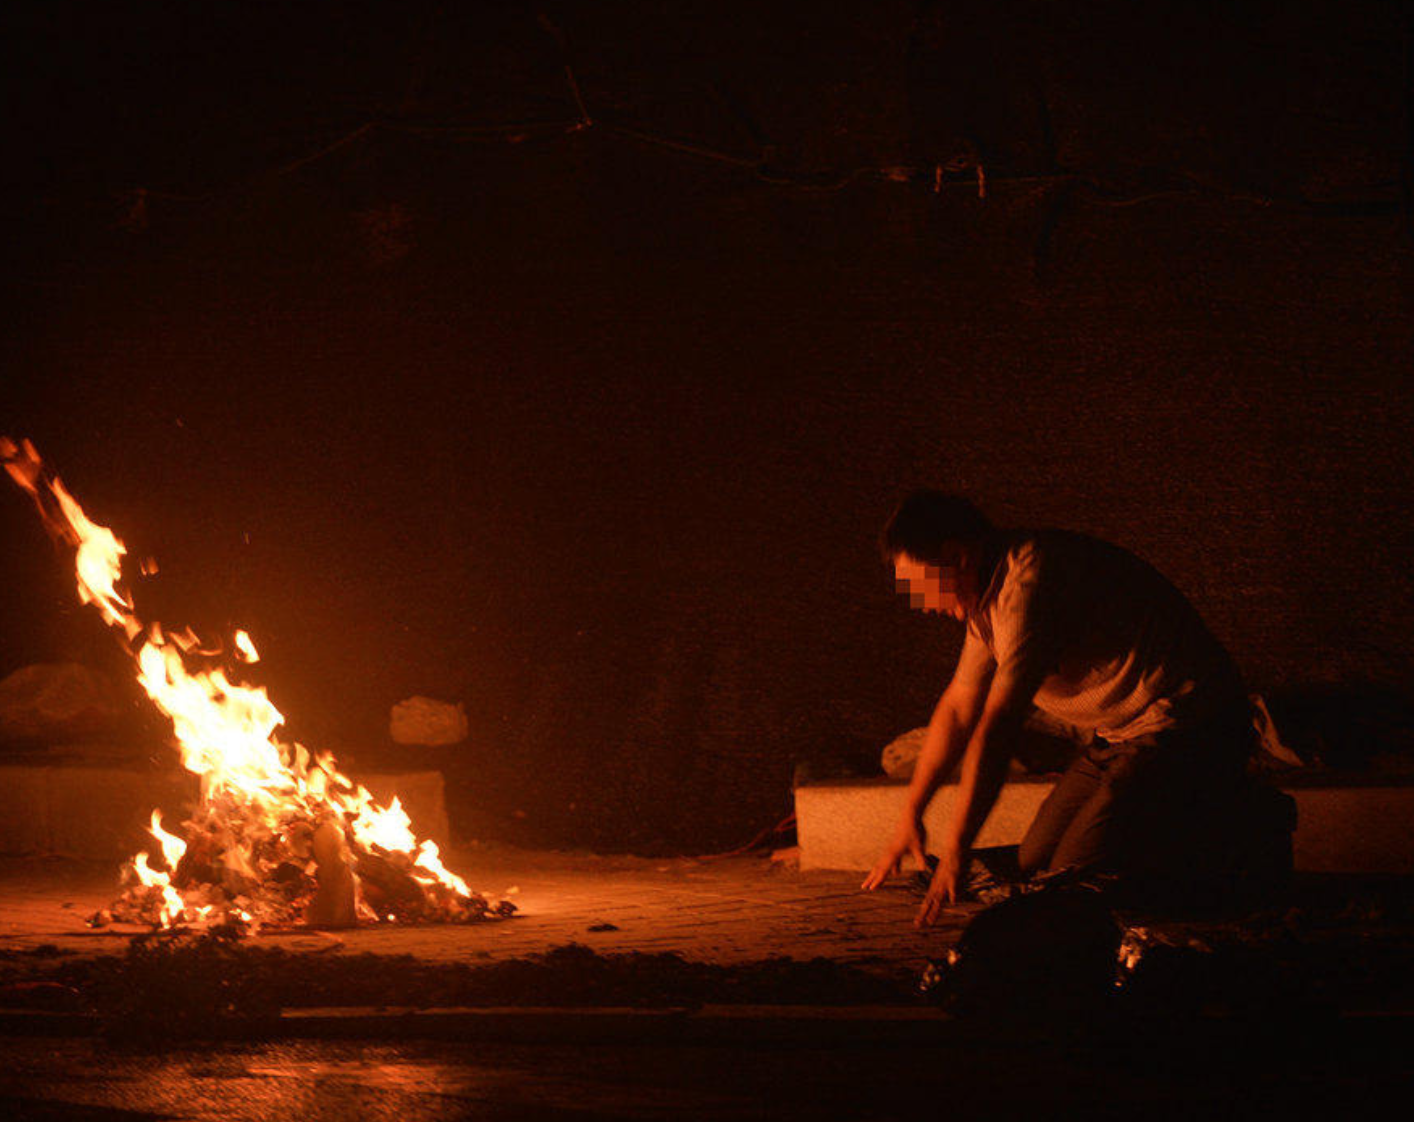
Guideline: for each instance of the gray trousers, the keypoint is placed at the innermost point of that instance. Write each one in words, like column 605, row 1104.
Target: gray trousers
column 1164, row 806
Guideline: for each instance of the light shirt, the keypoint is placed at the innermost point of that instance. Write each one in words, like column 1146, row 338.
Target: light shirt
column 1097, row 638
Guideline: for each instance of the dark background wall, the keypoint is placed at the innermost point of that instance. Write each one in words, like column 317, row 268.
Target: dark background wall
column 595, row 432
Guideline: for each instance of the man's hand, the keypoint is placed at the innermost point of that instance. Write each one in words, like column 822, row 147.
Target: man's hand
column 909, row 839
column 942, row 889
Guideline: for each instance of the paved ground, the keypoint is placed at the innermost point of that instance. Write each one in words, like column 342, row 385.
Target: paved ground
column 1288, row 1059
column 734, row 910
column 1249, row 1078
column 1340, row 944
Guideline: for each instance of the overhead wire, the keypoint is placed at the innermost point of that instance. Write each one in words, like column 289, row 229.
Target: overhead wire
column 938, row 178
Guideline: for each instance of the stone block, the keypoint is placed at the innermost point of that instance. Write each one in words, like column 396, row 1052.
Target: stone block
column 1354, row 829
column 50, row 701
column 843, row 824
column 103, row 812
column 427, row 722
column 1346, row 825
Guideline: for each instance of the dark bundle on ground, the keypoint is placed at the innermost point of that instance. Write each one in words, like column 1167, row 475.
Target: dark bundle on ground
column 1042, row 957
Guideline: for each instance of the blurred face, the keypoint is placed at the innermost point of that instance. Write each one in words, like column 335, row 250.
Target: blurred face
column 949, row 590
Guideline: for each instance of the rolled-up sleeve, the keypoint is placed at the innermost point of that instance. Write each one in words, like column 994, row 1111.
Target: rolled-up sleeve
column 975, row 665
column 1026, row 635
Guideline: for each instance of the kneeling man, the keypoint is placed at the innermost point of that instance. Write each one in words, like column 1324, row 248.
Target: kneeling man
column 1094, row 637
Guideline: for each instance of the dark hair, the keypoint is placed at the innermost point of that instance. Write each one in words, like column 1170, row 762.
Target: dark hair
column 926, row 523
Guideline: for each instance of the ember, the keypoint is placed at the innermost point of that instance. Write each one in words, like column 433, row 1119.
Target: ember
column 279, row 836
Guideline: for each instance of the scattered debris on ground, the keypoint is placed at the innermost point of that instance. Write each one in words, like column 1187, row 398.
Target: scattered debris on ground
column 213, row 984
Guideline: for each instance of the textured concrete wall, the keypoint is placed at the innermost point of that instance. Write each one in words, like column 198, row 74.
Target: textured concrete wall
column 595, row 436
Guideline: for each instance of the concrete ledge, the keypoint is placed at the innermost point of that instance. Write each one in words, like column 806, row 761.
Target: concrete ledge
column 709, row 1024
column 102, row 812
column 844, row 823
column 875, row 1025
column 1344, row 824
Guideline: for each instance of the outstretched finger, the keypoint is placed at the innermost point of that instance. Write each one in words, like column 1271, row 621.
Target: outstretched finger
column 880, row 873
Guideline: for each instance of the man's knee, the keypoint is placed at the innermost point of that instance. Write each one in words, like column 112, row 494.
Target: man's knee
column 1057, row 816
column 1034, row 853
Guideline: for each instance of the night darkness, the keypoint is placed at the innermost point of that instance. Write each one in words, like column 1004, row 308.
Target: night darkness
column 593, row 428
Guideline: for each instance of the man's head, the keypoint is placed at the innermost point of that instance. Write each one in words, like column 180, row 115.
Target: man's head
column 934, row 543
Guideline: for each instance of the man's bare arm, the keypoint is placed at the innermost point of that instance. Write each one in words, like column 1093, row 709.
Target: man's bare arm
column 949, row 731
column 984, row 770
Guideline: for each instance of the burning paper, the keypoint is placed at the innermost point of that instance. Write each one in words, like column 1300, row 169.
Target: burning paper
column 279, row 836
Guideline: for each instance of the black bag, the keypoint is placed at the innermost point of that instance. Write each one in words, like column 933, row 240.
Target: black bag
column 1045, row 955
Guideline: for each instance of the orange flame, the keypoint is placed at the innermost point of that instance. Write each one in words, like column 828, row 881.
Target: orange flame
column 173, row 848
column 226, row 730
column 173, row 906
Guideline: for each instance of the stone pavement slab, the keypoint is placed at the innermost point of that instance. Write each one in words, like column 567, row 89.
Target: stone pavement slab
column 730, row 911
column 1342, row 942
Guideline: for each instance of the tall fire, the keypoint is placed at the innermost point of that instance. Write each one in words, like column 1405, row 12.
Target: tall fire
column 279, row 836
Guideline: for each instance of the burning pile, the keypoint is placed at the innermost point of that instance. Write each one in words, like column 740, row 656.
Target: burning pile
column 279, row 836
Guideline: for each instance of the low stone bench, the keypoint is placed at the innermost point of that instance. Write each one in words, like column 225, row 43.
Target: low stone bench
column 102, row 811
column 1346, row 823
